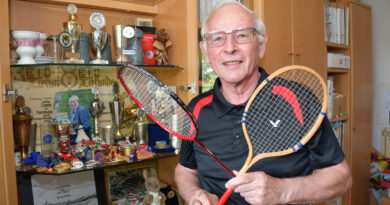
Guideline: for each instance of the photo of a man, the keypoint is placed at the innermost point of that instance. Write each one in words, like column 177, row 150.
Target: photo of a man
column 80, row 115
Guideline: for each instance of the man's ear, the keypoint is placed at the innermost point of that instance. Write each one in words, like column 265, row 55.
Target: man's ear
column 262, row 44
column 203, row 47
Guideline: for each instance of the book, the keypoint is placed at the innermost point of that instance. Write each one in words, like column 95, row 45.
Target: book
column 330, row 96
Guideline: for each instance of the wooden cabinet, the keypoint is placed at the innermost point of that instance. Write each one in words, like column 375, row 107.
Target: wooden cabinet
column 295, row 29
column 296, row 36
column 177, row 17
column 361, row 101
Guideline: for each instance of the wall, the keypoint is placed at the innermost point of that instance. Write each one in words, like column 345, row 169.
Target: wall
column 381, row 65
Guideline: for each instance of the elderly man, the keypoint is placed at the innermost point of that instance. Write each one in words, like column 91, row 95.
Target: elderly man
column 234, row 41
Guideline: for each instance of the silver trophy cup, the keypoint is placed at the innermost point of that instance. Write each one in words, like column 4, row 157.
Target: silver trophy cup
column 98, row 37
column 97, row 108
column 99, row 41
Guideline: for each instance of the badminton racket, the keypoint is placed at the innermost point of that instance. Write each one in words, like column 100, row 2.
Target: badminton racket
column 162, row 105
column 282, row 115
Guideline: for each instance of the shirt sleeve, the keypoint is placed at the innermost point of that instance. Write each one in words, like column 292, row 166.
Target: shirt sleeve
column 187, row 157
column 187, row 154
column 324, row 148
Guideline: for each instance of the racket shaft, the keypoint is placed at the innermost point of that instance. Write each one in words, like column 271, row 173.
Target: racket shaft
column 214, row 157
column 225, row 196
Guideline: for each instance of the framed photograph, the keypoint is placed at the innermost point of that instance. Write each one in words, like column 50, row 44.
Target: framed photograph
column 122, row 180
column 74, row 106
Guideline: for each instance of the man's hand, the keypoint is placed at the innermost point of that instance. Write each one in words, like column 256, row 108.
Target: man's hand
column 257, row 188
column 203, row 197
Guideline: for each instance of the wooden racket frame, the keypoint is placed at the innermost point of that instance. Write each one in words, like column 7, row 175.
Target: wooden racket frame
column 250, row 161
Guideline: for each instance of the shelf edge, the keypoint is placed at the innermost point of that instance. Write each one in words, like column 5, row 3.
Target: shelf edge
column 110, row 5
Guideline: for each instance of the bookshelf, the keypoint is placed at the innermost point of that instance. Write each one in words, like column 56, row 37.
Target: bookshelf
column 303, row 42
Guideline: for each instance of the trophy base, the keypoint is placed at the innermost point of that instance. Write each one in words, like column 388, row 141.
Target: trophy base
column 121, row 59
column 99, row 61
column 74, row 60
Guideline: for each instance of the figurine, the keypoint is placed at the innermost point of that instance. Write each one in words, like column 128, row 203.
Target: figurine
column 152, row 184
column 161, row 43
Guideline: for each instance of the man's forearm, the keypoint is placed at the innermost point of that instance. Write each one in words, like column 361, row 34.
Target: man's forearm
column 325, row 184
column 187, row 181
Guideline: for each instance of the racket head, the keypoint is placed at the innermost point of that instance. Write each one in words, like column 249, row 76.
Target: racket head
column 159, row 102
column 292, row 102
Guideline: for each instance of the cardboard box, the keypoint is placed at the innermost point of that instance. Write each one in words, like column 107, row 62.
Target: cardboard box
column 338, row 106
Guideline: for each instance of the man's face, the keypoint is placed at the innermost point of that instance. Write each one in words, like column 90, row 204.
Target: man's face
column 233, row 62
column 73, row 104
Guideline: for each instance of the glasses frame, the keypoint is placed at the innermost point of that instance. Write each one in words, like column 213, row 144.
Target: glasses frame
column 254, row 32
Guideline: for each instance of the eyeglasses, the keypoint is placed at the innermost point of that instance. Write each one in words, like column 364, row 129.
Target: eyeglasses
column 240, row 35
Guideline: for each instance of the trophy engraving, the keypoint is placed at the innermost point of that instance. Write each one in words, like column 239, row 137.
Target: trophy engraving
column 73, row 27
column 116, row 107
column 97, row 108
column 98, row 37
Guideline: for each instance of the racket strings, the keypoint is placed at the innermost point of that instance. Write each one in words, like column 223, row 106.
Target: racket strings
column 156, row 100
column 278, row 118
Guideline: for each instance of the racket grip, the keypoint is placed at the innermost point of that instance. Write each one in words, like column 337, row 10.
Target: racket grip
column 225, row 196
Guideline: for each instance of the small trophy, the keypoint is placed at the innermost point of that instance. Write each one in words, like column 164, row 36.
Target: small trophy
column 98, row 37
column 120, row 42
column 116, row 107
column 122, row 36
column 21, row 127
column 97, row 108
column 70, row 37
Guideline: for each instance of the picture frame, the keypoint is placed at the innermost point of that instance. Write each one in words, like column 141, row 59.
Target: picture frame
column 121, row 180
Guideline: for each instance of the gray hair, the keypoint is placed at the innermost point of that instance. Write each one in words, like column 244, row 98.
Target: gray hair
column 260, row 27
column 74, row 97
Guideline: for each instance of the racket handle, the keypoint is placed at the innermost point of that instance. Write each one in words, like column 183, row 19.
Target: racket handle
column 225, row 196
column 214, row 157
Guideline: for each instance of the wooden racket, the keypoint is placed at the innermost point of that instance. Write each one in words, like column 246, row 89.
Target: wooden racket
column 162, row 105
column 294, row 100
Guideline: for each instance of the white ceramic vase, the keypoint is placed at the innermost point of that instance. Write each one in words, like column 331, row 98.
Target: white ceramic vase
column 25, row 41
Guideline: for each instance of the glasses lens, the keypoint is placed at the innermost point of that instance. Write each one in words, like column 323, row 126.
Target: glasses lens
column 216, row 39
column 243, row 36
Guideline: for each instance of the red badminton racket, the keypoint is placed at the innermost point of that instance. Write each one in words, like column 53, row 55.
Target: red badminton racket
column 282, row 115
column 162, row 105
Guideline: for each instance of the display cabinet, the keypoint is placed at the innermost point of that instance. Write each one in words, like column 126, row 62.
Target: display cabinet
column 48, row 17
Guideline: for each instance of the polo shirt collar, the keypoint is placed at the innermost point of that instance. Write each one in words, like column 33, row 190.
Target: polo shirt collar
column 220, row 105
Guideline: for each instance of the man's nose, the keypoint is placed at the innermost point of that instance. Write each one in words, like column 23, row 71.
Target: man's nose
column 230, row 44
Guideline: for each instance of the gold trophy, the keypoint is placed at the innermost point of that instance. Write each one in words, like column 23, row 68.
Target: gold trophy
column 71, row 35
column 21, row 126
column 116, row 107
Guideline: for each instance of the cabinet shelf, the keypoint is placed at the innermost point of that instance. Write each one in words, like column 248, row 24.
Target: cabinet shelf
column 149, row 7
column 31, row 171
column 336, row 45
column 338, row 70
column 149, row 68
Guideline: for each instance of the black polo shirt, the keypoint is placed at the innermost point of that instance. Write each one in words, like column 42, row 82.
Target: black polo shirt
column 221, row 132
